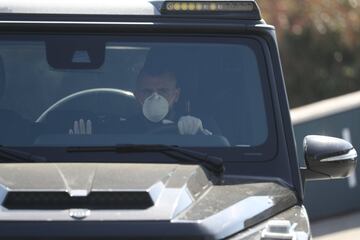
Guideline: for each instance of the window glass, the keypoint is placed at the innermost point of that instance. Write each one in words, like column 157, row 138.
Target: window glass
column 83, row 90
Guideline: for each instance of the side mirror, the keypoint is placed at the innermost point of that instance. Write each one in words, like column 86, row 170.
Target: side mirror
column 328, row 158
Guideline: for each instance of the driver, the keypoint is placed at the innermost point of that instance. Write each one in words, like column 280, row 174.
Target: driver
column 157, row 93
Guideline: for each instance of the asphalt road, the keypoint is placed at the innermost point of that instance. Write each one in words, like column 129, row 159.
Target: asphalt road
column 345, row 227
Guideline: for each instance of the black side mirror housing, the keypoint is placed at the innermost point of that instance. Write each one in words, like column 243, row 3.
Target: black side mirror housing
column 328, row 158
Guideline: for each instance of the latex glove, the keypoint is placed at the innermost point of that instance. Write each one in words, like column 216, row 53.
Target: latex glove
column 81, row 128
column 189, row 125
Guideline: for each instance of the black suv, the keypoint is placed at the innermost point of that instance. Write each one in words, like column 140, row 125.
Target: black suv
column 150, row 120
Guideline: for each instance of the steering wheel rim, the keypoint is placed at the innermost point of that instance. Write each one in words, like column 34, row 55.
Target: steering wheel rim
column 76, row 95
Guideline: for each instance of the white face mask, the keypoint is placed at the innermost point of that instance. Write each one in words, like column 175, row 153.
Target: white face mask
column 155, row 107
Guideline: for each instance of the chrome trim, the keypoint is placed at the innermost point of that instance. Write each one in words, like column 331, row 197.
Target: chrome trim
column 78, row 193
column 352, row 154
column 79, row 214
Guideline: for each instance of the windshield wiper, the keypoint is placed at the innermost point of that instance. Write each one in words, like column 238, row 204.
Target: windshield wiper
column 12, row 155
column 212, row 163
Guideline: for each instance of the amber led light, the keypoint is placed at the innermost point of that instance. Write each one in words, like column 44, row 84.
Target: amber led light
column 206, row 6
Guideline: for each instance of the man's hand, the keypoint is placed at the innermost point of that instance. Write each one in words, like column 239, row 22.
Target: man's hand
column 80, row 128
column 189, row 125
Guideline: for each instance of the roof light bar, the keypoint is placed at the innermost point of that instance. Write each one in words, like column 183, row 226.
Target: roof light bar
column 246, row 9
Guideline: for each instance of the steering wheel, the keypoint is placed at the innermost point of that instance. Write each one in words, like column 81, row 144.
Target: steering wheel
column 165, row 129
column 125, row 99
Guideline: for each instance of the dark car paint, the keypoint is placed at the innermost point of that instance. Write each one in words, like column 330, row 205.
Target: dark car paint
column 286, row 152
column 184, row 196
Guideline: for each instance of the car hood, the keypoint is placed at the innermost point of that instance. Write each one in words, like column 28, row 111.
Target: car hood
column 172, row 193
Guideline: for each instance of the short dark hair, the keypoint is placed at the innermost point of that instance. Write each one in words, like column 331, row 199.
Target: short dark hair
column 155, row 72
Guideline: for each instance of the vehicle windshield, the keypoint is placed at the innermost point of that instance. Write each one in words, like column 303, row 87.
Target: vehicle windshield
column 59, row 91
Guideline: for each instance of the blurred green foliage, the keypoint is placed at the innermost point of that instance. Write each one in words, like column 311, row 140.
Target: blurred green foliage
column 319, row 46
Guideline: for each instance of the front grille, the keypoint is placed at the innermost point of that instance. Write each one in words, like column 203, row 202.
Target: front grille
column 62, row 200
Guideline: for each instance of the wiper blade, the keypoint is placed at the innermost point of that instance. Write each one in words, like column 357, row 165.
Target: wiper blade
column 12, row 155
column 212, row 163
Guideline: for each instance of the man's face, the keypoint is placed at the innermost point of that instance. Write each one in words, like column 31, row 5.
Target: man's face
column 164, row 85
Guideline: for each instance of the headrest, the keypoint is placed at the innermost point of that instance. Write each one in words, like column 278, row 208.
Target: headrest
column 2, row 77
